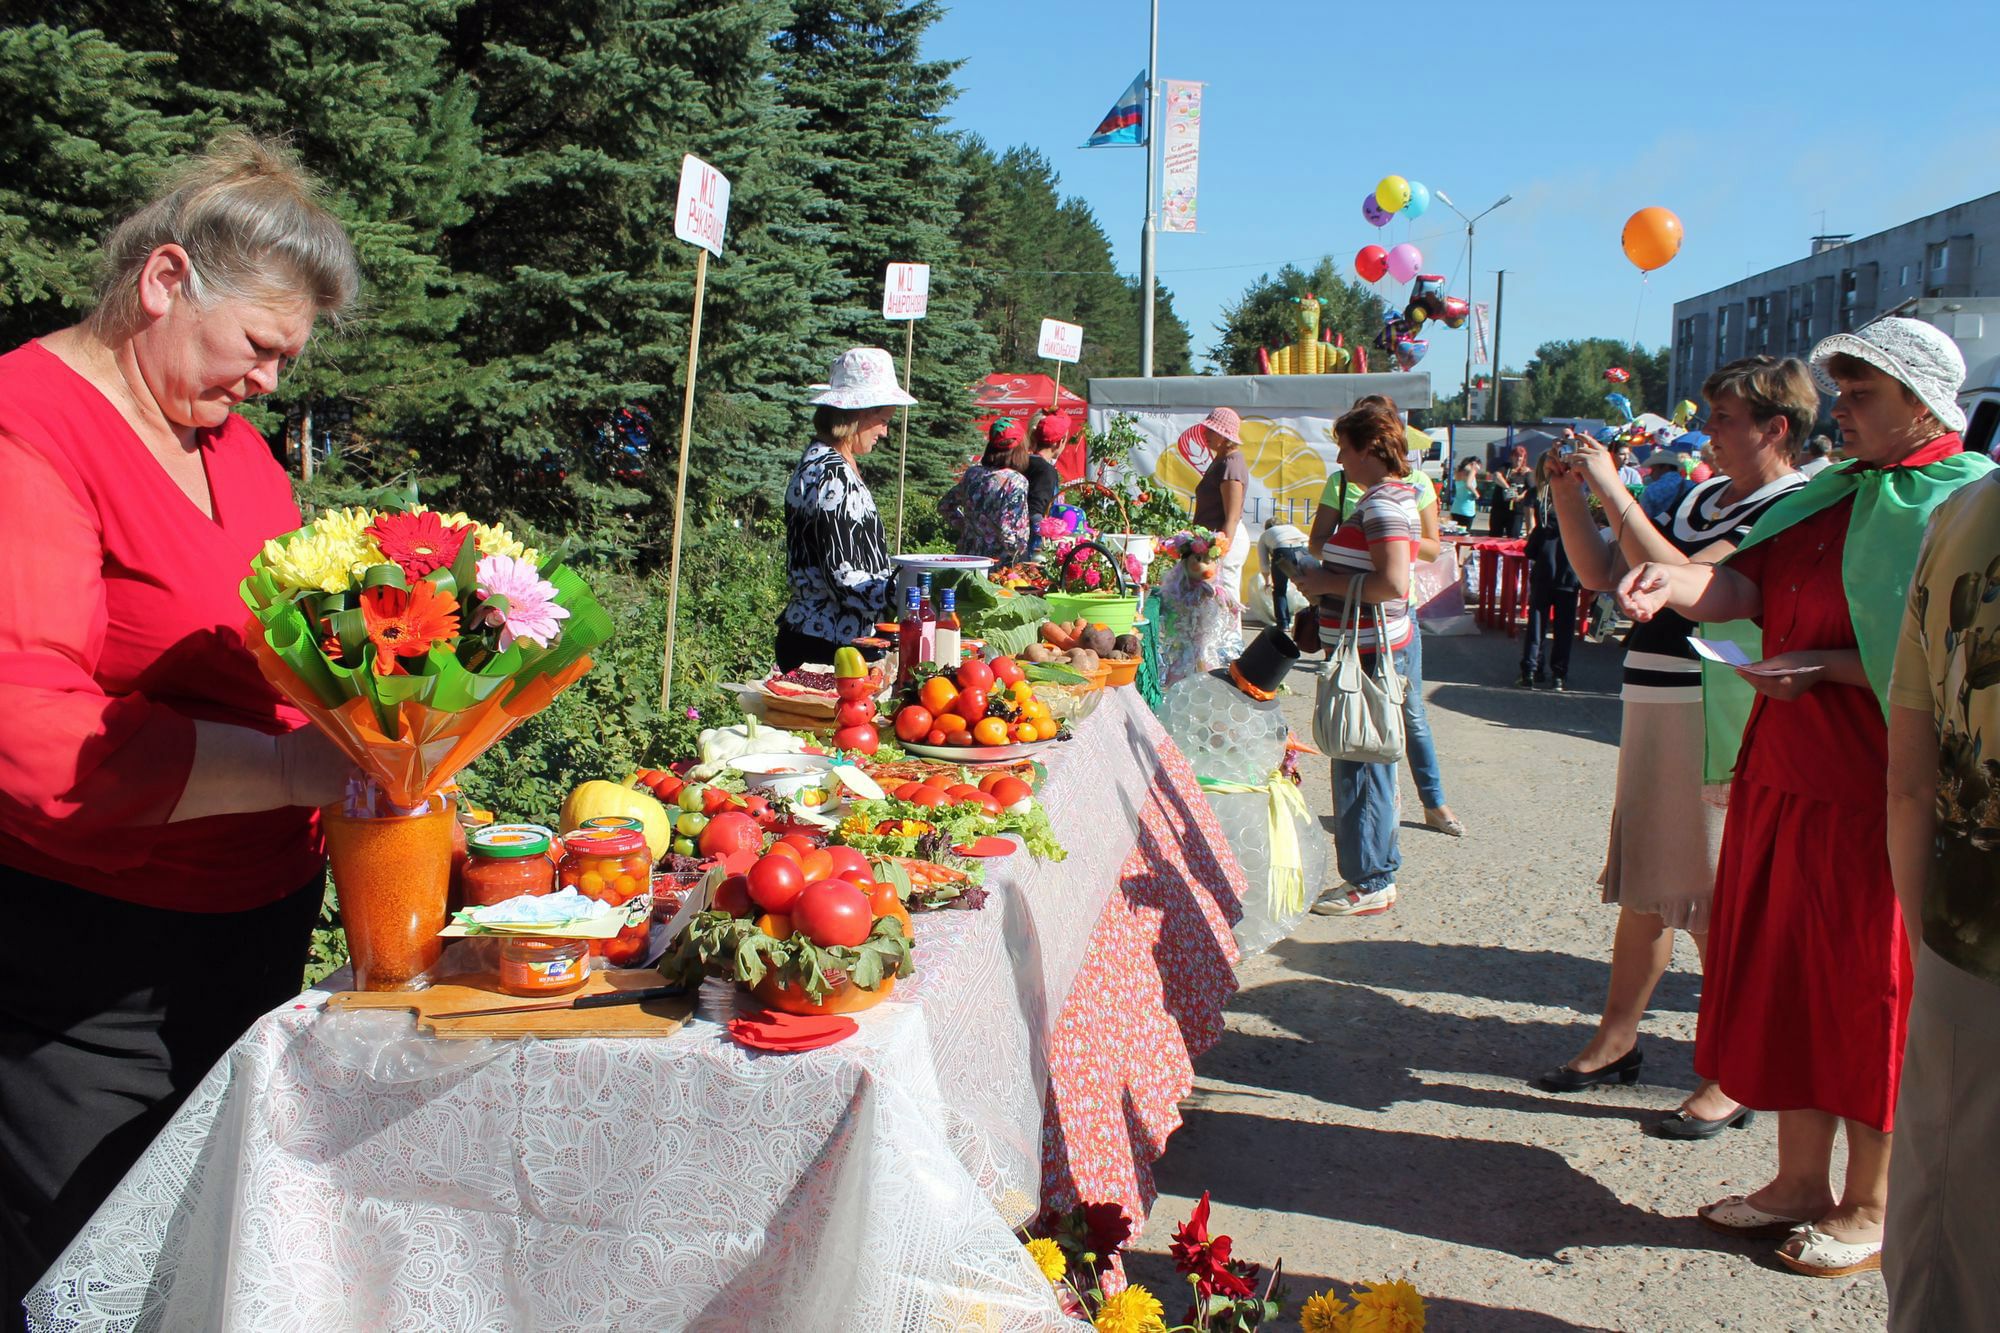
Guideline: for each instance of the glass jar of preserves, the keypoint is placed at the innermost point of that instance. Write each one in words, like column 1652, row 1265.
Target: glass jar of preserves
column 613, row 821
column 608, row 864
column 535, row 967
column 505, row 861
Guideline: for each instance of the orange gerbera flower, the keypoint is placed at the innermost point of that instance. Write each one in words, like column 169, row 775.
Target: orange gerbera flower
column 405, row 623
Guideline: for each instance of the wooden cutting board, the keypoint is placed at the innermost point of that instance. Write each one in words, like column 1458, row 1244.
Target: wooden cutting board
column 655, row 1018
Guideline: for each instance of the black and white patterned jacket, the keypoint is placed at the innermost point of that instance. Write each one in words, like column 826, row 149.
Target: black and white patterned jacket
column 837, row 561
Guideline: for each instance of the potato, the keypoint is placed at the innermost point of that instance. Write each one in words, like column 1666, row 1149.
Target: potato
column 1042, row 652
column 1083, row 661
column 1126, row 645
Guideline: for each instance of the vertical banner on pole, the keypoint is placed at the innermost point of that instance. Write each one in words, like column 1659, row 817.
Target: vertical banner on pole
column 906, row 295
column 1479, row 317
column 1182, row 155
column 701, row 215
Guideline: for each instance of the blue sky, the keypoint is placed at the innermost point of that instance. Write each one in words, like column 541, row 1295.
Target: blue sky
column 1747, row 119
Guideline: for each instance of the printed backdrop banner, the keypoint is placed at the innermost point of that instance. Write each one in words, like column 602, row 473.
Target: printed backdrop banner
column 1183, row 155
column 1289, row 458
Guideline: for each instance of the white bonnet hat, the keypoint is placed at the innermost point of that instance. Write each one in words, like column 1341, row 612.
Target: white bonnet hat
column 1920, row 356
column 863, row 377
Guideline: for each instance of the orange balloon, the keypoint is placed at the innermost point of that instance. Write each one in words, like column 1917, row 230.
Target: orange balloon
column 1652, row 238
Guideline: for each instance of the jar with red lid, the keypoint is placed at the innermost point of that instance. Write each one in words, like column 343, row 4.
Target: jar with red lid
column 613, row 821
column 534, row 966
column 506, row 861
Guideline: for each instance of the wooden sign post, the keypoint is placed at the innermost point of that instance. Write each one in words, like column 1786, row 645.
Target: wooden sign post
column 700, row 216
column 1060, row 343
column 906, row 295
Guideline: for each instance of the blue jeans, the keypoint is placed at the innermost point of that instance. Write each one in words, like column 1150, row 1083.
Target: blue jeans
column 1364, row 812
column 1417, row 742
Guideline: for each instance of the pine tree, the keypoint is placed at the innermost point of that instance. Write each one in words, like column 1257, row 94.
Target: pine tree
column 893, row 178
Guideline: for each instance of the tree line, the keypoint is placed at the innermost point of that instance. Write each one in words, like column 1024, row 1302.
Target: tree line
column 509, row 175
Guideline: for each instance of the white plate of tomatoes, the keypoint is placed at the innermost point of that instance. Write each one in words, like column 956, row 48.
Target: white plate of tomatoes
column 978, row 754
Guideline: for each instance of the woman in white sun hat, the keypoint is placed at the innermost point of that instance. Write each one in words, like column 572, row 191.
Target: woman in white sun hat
column 836, row 559
column 1806, row 992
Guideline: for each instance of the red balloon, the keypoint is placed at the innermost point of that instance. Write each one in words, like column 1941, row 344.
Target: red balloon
column 1372, row 262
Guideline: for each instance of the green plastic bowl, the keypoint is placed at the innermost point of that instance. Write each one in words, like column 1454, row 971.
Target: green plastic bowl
column 1115, row 611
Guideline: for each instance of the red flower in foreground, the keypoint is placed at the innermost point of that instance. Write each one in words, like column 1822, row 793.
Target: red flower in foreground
column 1205, row 1260
column 1107, row 1226
column 418, row 543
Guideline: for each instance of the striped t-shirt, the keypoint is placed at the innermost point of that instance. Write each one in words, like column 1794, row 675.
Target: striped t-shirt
column 1660, row 663
column 1387, row 513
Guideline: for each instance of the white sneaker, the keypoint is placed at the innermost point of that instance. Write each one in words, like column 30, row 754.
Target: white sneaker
column 1354, row 902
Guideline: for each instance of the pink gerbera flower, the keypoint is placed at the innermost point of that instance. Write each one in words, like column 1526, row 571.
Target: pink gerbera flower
column 530, row 611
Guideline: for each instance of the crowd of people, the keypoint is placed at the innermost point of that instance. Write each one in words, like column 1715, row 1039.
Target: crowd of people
column 1824, row 822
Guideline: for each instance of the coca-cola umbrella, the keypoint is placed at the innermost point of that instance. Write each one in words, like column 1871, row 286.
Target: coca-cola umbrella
column 1021, row 397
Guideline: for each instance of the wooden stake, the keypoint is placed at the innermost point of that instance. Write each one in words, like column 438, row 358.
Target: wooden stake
column 903, row 453
column 306, row 443
column 681, row 481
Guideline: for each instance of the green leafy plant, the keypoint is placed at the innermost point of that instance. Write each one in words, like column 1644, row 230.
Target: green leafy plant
column 718, row 944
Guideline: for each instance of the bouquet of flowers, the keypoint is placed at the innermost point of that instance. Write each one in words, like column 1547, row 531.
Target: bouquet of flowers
column 416, row 640
column 1078, row 565
column 1196, row 544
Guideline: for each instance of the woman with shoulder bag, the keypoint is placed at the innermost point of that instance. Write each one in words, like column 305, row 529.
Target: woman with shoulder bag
column 1363, row 583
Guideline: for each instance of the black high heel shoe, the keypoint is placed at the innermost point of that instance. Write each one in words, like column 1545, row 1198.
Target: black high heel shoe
column 1562, row 1078
column 1681, row 1125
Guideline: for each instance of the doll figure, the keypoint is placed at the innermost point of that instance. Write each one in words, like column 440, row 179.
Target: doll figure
column 1203, row 629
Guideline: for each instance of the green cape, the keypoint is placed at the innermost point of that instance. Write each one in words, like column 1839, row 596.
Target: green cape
column 1892, row 506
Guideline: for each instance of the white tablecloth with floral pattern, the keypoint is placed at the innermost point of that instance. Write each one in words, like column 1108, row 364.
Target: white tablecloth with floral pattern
column 689, row 1183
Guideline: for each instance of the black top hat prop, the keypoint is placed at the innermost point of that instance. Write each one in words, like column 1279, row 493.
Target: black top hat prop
column 1260, row 672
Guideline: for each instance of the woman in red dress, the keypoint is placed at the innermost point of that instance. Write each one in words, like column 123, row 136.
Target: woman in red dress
column 1806, row 990
column 158, row 850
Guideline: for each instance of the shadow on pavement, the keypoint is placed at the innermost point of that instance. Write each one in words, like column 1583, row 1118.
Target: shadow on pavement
column 1485, row 971
column 1538, row 1205
column 1346, row 1058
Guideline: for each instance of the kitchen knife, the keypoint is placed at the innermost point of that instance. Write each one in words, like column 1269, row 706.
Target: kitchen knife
column 603, row 1001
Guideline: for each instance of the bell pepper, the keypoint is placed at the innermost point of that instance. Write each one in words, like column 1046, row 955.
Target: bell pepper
column 850, row 675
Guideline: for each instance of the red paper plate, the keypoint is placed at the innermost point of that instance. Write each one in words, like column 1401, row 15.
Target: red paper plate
column 768, row 1030
column 988, row 846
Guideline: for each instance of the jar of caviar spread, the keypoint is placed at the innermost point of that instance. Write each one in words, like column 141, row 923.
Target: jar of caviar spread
column 466, row 820
column 505, row 861
column 608, row 864
column 536, row 967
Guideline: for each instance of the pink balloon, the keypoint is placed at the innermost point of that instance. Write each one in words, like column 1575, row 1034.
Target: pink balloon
column 1371, row 263
column 1405, row 262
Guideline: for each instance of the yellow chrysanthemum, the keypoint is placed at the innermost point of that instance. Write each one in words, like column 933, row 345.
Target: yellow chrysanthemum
column 855, row 825
column 1323, row 1313
column 1048, row 1257
column 1133, row 1310
column 1387, row 1307
column 492, row 539
column 311, row 561
column 345, row 525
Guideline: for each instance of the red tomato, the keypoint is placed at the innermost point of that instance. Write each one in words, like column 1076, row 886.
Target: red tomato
column 729, row 832
column 833, row 912
column 714, row 800
column 903, row 792
column 849, row 865
column 936, row 738
column 1010, row 792
column 668, row 789
column 733, row 896
column 855, row 713
column 785, row 849
column 626, row 947
column 799, row 842
column 817, row 865
column 928, row 796
column 970, row 705
column 958, row 791
column 739, row 862
column 913, row 723
column 959, row 738
column 987, row 803
column 775, row 882
column 861, row 740
column 881, row 898
column 1006, row 670
column 976, row 676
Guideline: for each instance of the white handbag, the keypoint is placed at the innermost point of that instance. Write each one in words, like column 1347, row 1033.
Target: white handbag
column 1358, row 714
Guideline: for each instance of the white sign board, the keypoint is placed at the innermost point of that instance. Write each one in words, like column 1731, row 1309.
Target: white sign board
column 703, row 209
column 1061, row 342
column 906, row 293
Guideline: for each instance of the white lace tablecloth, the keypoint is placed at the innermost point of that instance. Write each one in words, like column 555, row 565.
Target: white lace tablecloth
column 679, row 1183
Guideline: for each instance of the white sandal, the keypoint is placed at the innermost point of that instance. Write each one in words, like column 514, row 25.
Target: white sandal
column 1737, row 1216
column 1816, row 1254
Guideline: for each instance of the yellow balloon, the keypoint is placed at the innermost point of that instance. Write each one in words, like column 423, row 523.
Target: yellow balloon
column 1392, row 193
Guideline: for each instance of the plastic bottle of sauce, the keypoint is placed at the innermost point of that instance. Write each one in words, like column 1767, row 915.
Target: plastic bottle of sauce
column 927, row 613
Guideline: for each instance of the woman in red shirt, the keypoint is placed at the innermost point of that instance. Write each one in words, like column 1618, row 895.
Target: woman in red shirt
column 159, row 856
column 1806, row 987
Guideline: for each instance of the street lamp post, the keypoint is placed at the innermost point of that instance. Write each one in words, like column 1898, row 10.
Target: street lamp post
column 1471, row 280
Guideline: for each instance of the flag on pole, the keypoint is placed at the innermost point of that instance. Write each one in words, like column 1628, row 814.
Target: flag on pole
column 1125, row 123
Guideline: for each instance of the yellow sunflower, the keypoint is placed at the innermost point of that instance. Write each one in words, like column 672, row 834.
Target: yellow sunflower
column 1048, row 1257
column 1323, row 1313
column 1133, row 1310
column 1387, row 1307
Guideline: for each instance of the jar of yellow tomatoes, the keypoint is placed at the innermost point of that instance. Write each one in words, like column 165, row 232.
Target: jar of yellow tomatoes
column 608, row 864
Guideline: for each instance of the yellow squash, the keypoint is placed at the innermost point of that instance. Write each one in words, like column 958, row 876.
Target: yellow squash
column 593, row 799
